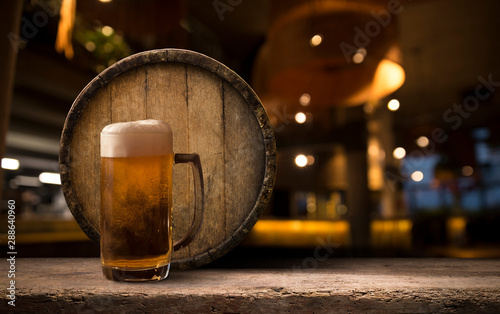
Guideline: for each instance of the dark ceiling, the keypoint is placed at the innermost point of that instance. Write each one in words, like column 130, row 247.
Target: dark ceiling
column 449, row 48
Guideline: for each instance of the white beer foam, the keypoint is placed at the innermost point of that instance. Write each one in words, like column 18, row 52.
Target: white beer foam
column 137, row 138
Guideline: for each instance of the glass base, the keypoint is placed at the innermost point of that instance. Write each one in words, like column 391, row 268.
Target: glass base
column 149, row 274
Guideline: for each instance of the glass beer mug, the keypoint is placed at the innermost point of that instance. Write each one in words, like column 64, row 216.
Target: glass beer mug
column 136, row 200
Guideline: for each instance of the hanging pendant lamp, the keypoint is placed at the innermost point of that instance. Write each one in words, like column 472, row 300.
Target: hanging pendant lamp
column 339, row 53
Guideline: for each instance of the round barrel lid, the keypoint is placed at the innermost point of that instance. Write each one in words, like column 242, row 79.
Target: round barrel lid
column 212, row 112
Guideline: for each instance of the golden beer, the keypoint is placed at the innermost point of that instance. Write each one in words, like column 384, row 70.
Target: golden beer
column 136, row 200
column 136, row 211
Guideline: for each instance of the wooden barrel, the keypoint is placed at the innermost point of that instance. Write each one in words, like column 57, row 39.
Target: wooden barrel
column 211, row 111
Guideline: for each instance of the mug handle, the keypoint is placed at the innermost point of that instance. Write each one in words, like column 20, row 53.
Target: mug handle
column 199, row 199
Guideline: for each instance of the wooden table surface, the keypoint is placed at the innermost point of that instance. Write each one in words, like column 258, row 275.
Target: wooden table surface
column 310, row 285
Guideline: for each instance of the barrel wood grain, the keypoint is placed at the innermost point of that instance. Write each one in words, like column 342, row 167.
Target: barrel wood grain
column 86, row 166
column 240, row 148
column 167, row 101
column 212, row 112
column 206, row 137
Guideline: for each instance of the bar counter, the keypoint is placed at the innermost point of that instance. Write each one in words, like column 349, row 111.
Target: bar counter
column 310, row 285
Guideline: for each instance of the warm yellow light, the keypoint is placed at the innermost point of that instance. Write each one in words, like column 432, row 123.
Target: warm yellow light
column 301, row 160
column 105, row 1
column 417, row 176
column 455, row 224
column 389, row 76
column 50, row 178
column 467, row 171
column 310, row 160
column 361, row 51
column 107, row 30
column 342, row 209
column 90, row 46
column 422, row 141
column 393, row 104
column 300, row 117
column 299, row 233
column 316, row 40
column 399, row 153
column 359, row 56
column 373, row 149
column 391, row 233
column 305, row 99
column 10, row 164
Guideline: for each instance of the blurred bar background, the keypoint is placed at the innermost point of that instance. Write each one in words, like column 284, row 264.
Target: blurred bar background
column 386, row 115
